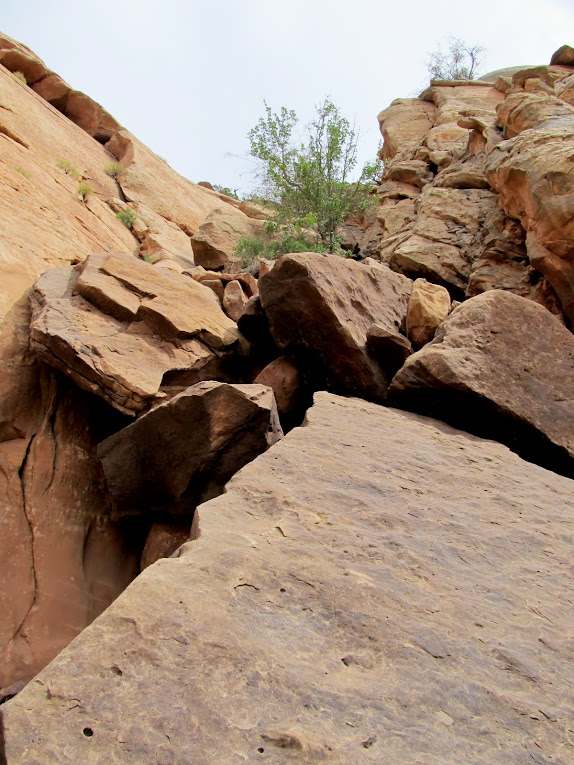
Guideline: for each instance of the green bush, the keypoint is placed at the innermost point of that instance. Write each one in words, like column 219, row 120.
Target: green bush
column 68, row 168
column 21, row 76
column 127, row 217
column 280, row 239
column 113, row 169
column 85, row 191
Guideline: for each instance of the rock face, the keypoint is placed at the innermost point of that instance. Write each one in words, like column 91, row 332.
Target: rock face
column 533, row 174
column 184, row 451
column 321, row 307
column 377, row 587
column 214, row 243
column 448, row 170
column 429, row 305
column 502, row 367
column 118, row 326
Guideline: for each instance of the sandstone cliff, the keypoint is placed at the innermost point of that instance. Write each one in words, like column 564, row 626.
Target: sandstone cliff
column 374, row 586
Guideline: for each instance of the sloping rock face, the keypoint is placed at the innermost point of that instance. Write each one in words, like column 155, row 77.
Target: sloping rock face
column 503, row 367
column 449, row 169
column 321, row 307
column 349, row 600
column 118, row 326
column 62, row 558
column 184, row 451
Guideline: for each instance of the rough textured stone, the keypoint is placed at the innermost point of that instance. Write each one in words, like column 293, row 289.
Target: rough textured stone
column 120, row 325
column 429, row 305
column 214, row 243
column 183, row 452
column 162, row 541
column 391, row 348
column 564, row 55
column 404, row 123
column 320, row 307
column 234, row 300
column 282, row 376
column 377, row 587
column 534, row 176
column 502, row 367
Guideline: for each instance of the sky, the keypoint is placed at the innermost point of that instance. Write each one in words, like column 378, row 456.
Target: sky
column 189, row 77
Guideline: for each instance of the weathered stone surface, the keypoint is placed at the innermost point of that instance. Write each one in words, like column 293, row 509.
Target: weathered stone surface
column 429, row 305
column 234, row 299
column 564, row 55
column 502, row 367
column 389, row 348
column 183, row 452
column 149, row 180
column 162, row 541
column 63, row 559
column 404, row 123
column 377, row 587
column 214, row 243
column 446, row 237
column 162, row 240
column 120, row 325
column 534, row 176
column 320, row 308
column 282, row 376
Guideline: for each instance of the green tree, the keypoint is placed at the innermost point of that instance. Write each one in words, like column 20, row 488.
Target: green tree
column 310, row 179
column 460, row 62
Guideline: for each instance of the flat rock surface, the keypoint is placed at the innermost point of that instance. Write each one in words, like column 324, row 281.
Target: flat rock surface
column 500, row 366
column 377, row 587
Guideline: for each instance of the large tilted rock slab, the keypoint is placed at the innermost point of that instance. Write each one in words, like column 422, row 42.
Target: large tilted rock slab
column 322, row 306
column 184, row 451
column 500, row 366
column 377, row 587
column 118, row 325
column 215, row 242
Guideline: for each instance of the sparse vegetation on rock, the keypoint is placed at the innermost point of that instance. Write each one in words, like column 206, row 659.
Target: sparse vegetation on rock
column 113, row 169
column 461, row 61
column 127, row 217
column 85, row 191
column 69, row 168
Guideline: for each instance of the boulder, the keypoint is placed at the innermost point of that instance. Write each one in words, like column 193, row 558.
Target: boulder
column 234, row 300
column 392, row 348
column 183, row 452
column 282, row 376
column 375, row 588
column 502, row 367
column 429, row 305
column 214, row 243
column 404, row 123
column 162, row 541
column 564, row 56
column 118, row 325
column 320, row 308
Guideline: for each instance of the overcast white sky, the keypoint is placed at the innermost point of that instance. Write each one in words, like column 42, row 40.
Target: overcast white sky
column 188, row 77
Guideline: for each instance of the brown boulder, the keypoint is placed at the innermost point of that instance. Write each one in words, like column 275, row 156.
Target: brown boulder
column 320, row 307
column 392, row 348
column 429, row 305
column 502, row 367
column 282, row 376
column 563, row 56
column 183, row 452
column 234, row 299
column 214, row 243
column 119, row 325
column 376, row 588
column 162, row 541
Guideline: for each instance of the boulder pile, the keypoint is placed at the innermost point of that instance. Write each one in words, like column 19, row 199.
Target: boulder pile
column 318, row 573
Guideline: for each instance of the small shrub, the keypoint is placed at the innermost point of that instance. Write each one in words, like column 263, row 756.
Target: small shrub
column 21, row 76
column 127, row 217
column 22, row 171
column 85, row 191
column 68, row 168
column 226, row 190
column 279, row 240
column 113, row 169
column 148, row 259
